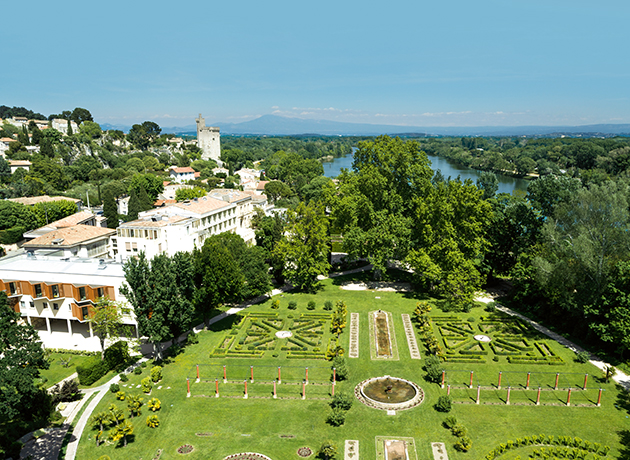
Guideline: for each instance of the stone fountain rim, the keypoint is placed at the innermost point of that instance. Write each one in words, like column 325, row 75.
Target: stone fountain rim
column 417, row 399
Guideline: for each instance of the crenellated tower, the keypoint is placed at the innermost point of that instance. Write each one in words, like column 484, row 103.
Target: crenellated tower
column 208, row 140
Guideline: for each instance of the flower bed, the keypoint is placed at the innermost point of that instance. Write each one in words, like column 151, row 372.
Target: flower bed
column 247, row 456
column 304, row 452
column 185, row 449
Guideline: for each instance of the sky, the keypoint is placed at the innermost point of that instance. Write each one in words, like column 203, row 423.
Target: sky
column 413, row 63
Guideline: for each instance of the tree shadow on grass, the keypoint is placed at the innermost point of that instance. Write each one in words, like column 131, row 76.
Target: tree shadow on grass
column 624, row 440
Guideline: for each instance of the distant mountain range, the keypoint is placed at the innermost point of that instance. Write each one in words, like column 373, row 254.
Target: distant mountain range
column 274, row 125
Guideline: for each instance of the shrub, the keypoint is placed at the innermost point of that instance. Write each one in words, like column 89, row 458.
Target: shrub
column 123, row 377
column 328, row 451
column 490, row 307
column 471, row 319
column 120, row 395
column 311, row 305
column 137, row 371
column 582, row 357
column 68, row 391
column 117, row 355
column 92, row 370
column 146, row 385
column 156, row 374
column 275, row 304
column 337, row 417
column 192, row 339
column 104, row 457
column 292, row 305
column 342, row 401
column 143, row 364
column 154, row 404
column 464, row 444
column 444, row 404
column 459, row 430
column 114, row 388
column 449, row 422
column 328, row 305
column 153, row 421
column 339, row 363
column 433, row 366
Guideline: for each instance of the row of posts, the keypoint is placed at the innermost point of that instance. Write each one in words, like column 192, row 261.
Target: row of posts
column 526, row 385
column 275, row 382
column 509, row 389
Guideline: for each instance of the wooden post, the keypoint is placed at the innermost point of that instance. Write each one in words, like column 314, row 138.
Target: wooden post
column 585, row 380
column 507, row 401
column 245, row 381
column 224, row 375
column 279, row 376
column 274, row 390
column 303, row 389
column 448, row 390
column 251, row 369
column 216, row 382
column 538, row 397
column 188, row 385
column 555, row 387
column 471, row 379
column 334, row 374
column 528, row 376
column 478, row 393
column 569, row 397
column 443, row 378
column 197, row 374
column 306, row 380
column 599, row 398
column 499, row 385
column 333, row 389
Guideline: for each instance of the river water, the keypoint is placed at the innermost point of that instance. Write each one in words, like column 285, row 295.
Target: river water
column 506, row 184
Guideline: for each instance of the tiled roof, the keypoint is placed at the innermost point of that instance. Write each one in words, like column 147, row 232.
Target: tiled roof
column 159, row 222
column 19, row 163
column 31, row 200
column 187, row 169
column 202, row 205
column 71, row 236
column 74, row 219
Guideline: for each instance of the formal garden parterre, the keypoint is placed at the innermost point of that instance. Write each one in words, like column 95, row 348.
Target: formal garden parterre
column 279, row 428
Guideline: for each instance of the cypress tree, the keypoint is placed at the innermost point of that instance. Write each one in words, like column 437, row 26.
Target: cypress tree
column 69, row 132
column 134, row 205
column 110, row 210
column 145, row 201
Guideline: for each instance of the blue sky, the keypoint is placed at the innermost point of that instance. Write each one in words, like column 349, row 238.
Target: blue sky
column 416, row 63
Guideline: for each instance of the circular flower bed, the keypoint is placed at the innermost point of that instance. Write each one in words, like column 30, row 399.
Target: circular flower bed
column 304, row 452
column 247, row 456
column 185, row 449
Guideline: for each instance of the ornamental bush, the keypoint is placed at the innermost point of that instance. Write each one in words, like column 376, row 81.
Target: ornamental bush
column 328, row 305
column 156, row 374
column 311, row 305
column 450, row 422
column 117, row 355
column 292, row 305
column 146, row 385
column 92, row 370
column 114, row 388
column 120, row 395
column 275, row 304
column 137, row 371
column 123, row 377
column 433, row 366
column 342, row 401
column 153, row 421
column 464, row 444
column 444, row 404
column 154, row 404
column 582, row 357
column 336, row 418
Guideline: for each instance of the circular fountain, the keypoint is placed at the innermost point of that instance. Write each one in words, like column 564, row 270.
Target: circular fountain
column 389, row 393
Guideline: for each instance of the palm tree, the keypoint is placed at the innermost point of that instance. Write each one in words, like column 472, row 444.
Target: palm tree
column 98, row 420
column 121, row 432
column 115, row 415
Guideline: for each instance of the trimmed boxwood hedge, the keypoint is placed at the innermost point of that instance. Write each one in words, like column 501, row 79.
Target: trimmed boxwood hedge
column 92, row 370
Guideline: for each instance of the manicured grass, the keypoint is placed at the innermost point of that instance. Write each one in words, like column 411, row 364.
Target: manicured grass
column 277, row 428
column 57, row 372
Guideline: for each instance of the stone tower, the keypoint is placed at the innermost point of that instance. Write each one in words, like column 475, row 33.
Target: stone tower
column 208, row 140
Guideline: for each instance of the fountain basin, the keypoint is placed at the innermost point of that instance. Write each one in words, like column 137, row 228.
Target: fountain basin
column 389, row 393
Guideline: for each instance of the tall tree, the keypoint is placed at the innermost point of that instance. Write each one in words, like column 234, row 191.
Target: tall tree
column 106, row 319
column 218, row 277
column 21, row 357
column 305, row 246
column 160, row 307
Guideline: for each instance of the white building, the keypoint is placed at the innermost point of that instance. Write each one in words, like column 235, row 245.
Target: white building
column 61, row 125
column 19, row 164
column 85, row 241
column 180, row 175
column 174, row 228
column 5, row 142
column 55, row 295
column 245, row 210
column 78, row 218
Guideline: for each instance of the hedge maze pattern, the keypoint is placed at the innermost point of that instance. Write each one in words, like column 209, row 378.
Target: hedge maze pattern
column 255, row 335
column 510, row 337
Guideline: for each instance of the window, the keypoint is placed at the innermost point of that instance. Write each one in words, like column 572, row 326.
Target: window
column 100, row 292
column 38, row 290
column 11, row 288
column 32, row 304
column 114, row 243
column 22, row 304
column 82, row 295
column 134, row 246
column 55, row 290
column 45, row 304
column 55, row 306
column 128, row 246
column 84, row 312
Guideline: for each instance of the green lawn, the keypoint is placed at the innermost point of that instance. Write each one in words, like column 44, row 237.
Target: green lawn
column 277, row 428
column 57, row 372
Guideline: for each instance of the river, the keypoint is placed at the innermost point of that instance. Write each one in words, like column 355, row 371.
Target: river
column 506, row 184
